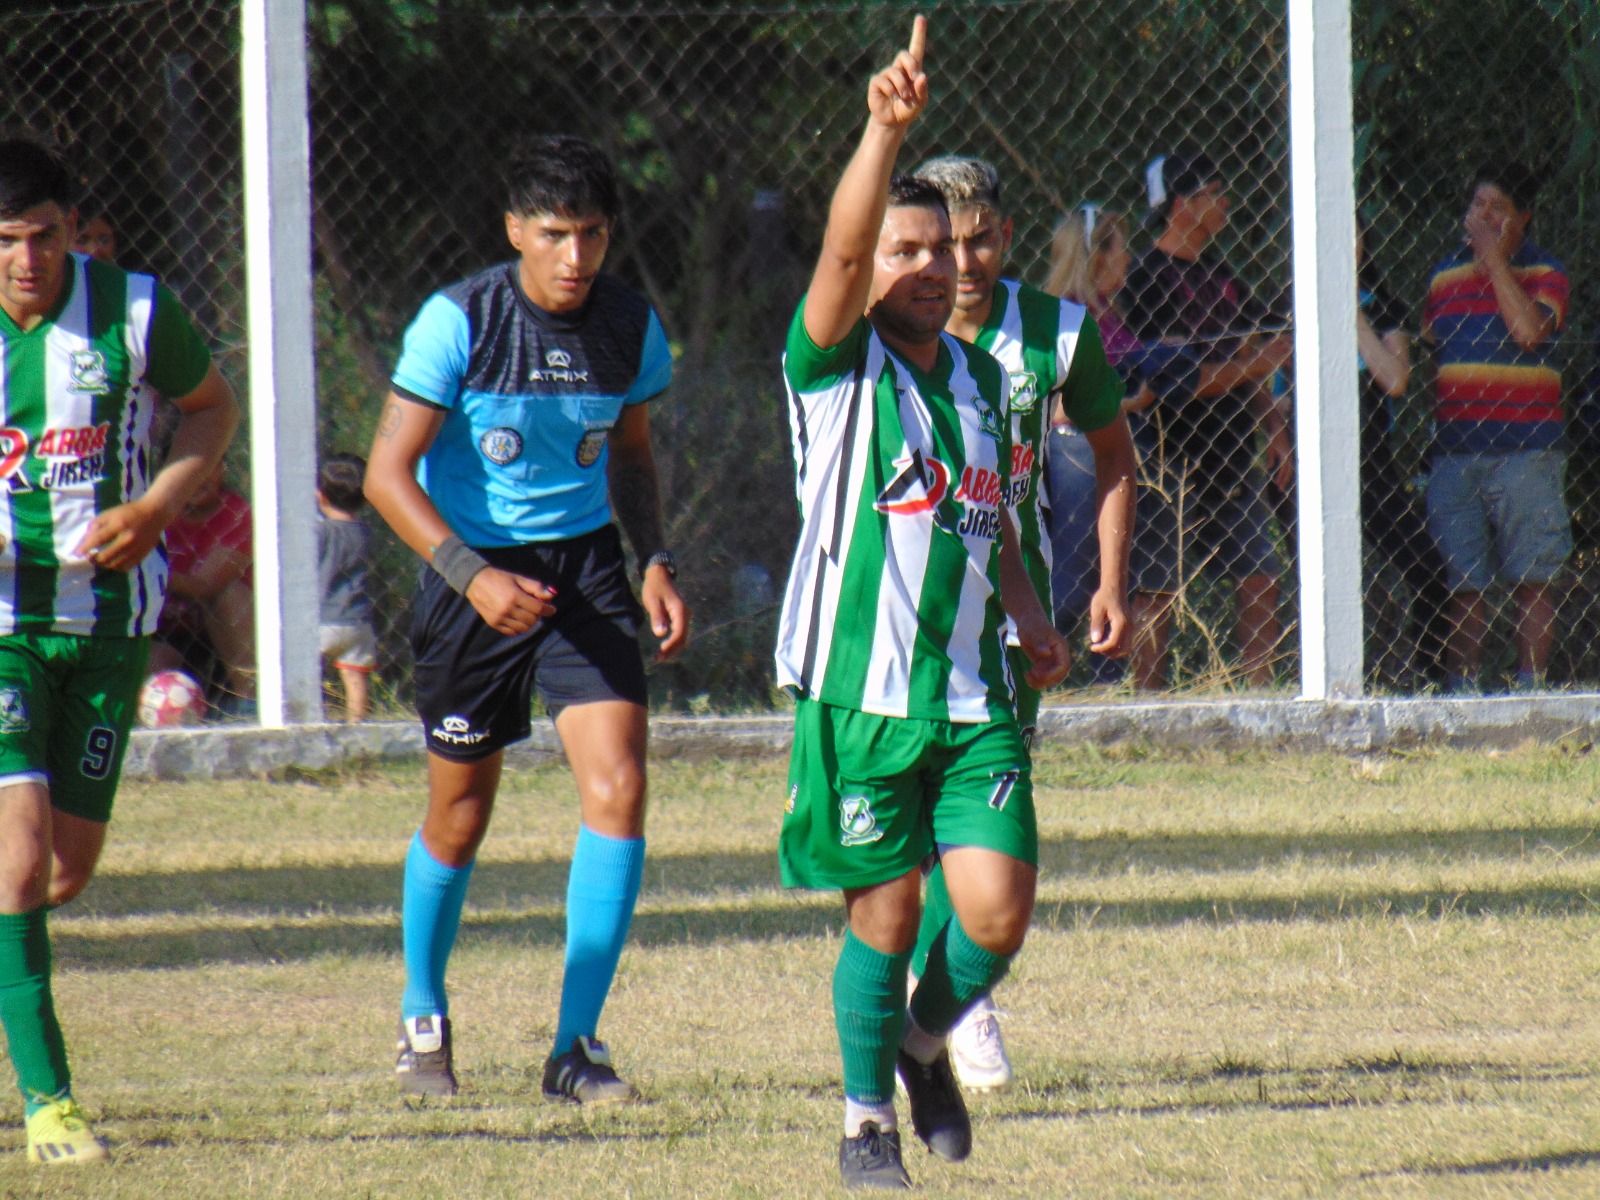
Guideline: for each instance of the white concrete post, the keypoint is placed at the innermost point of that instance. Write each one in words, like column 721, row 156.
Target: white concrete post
column 1322, row 171
column 283, row 409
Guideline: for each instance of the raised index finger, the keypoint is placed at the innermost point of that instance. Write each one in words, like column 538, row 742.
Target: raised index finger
column 919, row 38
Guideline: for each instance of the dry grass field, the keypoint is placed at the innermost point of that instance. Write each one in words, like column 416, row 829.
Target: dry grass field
column 1251, row 976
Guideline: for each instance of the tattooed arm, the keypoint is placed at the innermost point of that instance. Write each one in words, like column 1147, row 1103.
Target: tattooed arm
column 636, row 499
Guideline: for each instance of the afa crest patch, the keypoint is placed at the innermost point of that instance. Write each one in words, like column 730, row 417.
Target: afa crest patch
column 501, row 446
column 589, row 447
column 858, row 826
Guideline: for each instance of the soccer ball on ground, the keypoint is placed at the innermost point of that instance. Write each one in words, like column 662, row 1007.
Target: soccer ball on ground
column 170, row 699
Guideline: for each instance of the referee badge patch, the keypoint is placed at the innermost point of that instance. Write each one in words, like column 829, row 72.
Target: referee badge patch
column 501, row 446
column 857, row 825
column 590, row 445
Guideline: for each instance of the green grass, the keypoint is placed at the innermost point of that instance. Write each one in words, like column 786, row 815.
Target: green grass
column 1251, row 976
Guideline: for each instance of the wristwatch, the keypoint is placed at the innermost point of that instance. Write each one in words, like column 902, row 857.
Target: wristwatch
column 661, row 558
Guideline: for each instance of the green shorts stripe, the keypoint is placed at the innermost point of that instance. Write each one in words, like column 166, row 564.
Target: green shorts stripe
column 870, row 796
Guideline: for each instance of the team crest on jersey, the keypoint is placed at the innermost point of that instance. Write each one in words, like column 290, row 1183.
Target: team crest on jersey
column 857, row 824
column 988, row 415
column 918, row 487
column 1024, row 391
column 501, row 446
column 13, row 711
column 589, row 447
column 89, row 373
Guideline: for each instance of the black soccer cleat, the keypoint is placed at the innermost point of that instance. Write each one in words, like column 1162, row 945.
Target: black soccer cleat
column 584, row 1074
column 938, row 1113
column 871, row 1159
column 424, row 1063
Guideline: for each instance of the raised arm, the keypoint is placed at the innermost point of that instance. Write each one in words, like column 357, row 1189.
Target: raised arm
column 843, row 278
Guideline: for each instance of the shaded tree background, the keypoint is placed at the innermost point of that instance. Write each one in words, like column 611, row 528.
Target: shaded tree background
column 730, row 123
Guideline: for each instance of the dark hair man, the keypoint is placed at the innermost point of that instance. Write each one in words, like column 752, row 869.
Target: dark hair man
column 519, row 399
column 1496, row 491
column 86, row 353
column 906, row 736
column 1181, row 292
column 1058, row 377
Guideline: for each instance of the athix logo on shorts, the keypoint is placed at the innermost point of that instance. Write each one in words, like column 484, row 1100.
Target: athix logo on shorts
column 458, row 731
column 857, row 825
column 557, row 369
column 918, row 488
column 501, row 446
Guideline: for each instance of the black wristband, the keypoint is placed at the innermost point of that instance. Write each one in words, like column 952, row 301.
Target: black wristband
column 458, row 563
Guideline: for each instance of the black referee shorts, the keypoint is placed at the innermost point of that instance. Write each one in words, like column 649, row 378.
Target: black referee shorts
column 475, row 686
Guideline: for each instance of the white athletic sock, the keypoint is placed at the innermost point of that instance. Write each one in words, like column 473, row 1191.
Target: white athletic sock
column 921, row 1044
column 856, row 1113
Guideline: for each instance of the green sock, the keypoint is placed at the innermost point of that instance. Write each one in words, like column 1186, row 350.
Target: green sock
column 27, row 1011
column 869, row 1007
column 957, row 972
column 936, row 911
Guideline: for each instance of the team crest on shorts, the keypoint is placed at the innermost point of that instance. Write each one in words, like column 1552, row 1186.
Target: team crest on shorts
column 501, row 446
column 857, row 825
column 13, row 711
column 590, row 446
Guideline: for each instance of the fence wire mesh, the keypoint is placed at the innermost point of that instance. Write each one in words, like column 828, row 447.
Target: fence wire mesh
column 731, row 123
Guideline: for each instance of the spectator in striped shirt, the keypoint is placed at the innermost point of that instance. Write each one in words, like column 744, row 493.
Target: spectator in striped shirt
column 1496, row 500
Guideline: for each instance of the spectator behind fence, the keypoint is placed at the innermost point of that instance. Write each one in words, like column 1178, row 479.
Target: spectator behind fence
column 209, row 620
column 1496, row 498
column 1180, row 292
column 1392, row 520
column 1089, row 262
column 97, row 237
column 343, row 546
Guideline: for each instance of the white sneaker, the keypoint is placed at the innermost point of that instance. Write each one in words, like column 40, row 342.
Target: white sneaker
column 977, row 1051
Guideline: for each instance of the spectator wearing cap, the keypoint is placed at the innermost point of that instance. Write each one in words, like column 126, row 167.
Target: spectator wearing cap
column 1496, row 498
column 1181, row 293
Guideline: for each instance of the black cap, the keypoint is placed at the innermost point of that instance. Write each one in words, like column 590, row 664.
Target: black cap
column 1180, row 174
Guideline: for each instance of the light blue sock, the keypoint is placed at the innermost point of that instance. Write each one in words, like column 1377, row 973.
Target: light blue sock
column 430, row 913
column 601, row 892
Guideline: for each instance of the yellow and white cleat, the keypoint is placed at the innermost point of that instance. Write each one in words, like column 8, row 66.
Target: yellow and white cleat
column 59, row 1135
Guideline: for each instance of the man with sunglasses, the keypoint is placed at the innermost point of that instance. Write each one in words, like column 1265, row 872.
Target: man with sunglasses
column 1052, row 351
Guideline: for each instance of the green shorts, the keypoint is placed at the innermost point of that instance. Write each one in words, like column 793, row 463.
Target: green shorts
column 66, row 705
column 870, row 796
column 1028, row 696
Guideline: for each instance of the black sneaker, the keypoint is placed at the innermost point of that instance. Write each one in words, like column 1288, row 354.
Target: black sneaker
column 423, row 1064
column 871, row 1159
column 938, row 1113
column 584, row 1074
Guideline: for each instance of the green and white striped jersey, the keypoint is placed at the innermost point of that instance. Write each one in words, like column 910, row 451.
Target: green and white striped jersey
column 78, row 392
column 1049, row 346
column 893, row 601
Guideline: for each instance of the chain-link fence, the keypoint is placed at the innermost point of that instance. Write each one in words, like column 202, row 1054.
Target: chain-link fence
column 731, row 123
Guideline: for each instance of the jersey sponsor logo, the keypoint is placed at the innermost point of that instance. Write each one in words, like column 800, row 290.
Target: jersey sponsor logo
column 457, row 731
column 13, row 449
column 13, row 711
column 557, row 369
column 1022, row 460
column 981, row 492
column 501, row 446
column 589, row 447
column 919, row 486
column 77, row 455
column 89, row 373
column 1024, row 391
column 858, row 826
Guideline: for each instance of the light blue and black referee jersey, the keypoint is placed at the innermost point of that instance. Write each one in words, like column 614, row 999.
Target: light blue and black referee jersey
column 529, row 397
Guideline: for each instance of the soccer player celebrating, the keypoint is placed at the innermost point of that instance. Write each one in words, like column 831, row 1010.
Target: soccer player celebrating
column 519, row 397
column 86, row 352
column 1057, row 366
column 891, row 637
